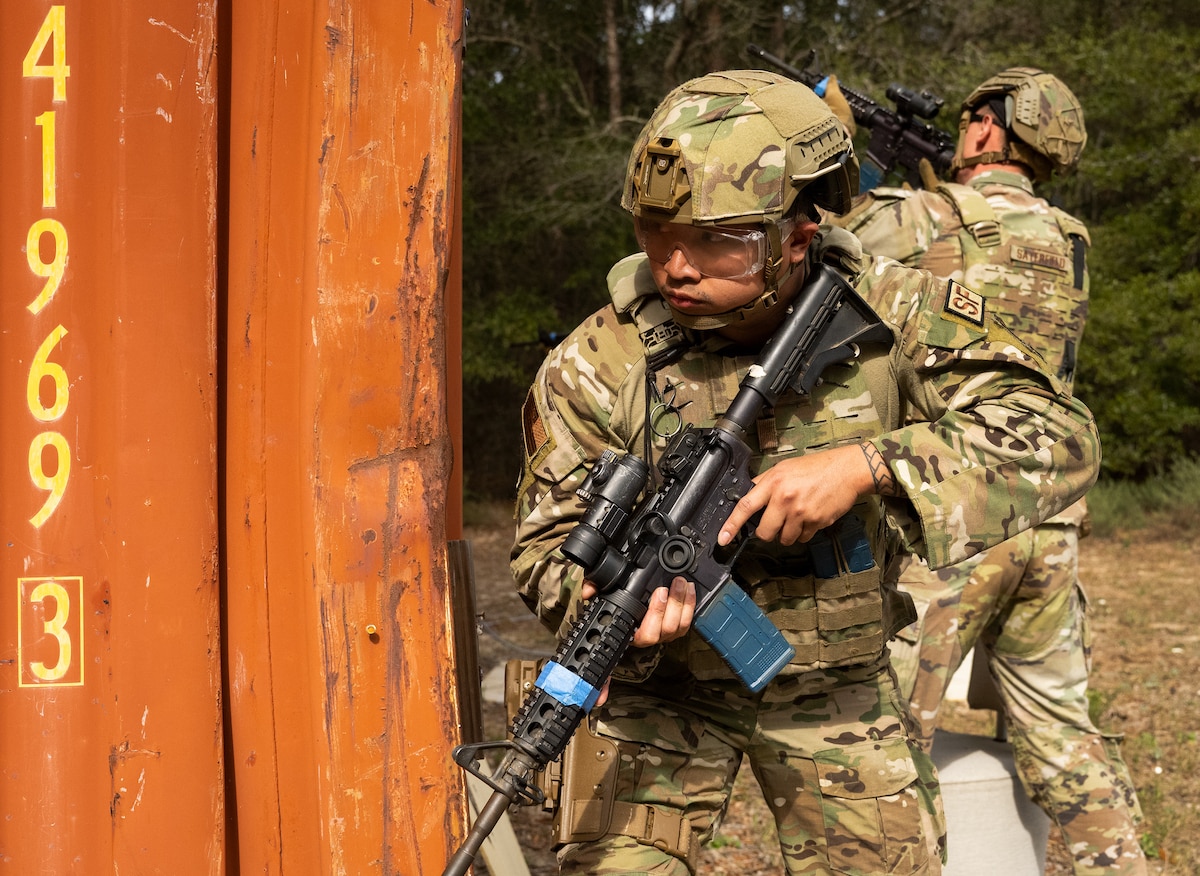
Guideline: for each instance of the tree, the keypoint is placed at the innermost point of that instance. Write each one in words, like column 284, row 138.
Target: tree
column 554, row 95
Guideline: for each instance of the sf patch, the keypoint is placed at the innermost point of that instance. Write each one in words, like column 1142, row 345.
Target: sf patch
column 964, row 304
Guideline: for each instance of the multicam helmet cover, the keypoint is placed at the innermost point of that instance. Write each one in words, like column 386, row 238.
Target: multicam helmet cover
column 1042, row 116
column 741, row 147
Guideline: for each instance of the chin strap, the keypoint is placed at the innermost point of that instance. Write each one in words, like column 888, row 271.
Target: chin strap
column 730, row 317
column 960, row 163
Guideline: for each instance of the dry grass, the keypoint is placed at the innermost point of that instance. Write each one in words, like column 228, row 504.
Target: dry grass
column 1146, row 684
column 1146, row 677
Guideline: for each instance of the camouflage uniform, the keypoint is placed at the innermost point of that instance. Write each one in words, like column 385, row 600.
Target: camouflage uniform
column 999, row 447
column 846, row 732
column 1021, row 600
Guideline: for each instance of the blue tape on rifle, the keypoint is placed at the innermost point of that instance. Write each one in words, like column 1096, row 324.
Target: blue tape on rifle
column 567, row 687
column 820, row 87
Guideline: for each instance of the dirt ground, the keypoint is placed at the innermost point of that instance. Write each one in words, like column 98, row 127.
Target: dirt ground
column 1145, row 609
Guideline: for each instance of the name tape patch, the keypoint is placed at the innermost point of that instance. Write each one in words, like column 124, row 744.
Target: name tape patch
column 964, row 303
column 1039, row 258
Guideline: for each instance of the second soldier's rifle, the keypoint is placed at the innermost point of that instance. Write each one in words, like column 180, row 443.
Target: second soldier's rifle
column 898, row 139
column 628, row 550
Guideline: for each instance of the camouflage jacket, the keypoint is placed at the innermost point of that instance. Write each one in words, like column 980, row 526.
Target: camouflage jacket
column 1001, row 446
column 998, row 238
column 995, row 237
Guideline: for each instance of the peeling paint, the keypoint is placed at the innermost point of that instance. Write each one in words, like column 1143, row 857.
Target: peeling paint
column 158, row 23
column 141, row 790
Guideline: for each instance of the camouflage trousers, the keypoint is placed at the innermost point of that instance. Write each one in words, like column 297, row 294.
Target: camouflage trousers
column 831, row 751
column 1022, row 604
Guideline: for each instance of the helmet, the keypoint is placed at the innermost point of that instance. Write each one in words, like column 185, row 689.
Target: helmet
column 741, row 147
column 1043, row 119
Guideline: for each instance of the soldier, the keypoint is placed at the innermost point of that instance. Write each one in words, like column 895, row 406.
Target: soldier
column 724, row 184
column 1020, row 601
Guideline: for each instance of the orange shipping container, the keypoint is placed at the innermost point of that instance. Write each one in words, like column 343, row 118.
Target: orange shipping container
column 229, row 238
column 109, row 606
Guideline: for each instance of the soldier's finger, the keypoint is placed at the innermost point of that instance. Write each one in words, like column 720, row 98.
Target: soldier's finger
column 603, row 696
column 774, row 523
column 677, row 616
column 746, row 507
column 649, row 631
column 688, row 611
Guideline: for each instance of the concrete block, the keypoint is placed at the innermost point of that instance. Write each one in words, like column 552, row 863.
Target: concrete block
column 993, row 829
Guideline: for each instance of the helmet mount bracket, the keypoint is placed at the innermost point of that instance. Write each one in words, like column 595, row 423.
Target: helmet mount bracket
column 663, row 180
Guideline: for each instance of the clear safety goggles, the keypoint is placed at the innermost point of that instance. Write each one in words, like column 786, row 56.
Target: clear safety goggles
column 722, row 253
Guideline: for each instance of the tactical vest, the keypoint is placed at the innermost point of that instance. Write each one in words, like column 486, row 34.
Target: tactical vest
column 1031, row 265
column 826, row 597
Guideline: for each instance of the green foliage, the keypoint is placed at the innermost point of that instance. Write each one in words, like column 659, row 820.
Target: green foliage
column 1169, row 502
column 554, row 95
column 1138, row 368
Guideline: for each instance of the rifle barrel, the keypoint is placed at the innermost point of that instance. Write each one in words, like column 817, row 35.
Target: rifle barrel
column 489, row 817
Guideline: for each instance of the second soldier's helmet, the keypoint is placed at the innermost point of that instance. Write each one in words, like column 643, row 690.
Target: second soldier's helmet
column 1043, row 118
column 741, row 147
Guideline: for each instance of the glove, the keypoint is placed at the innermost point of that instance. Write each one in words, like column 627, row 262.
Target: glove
column 831, row 93
column 929, row 177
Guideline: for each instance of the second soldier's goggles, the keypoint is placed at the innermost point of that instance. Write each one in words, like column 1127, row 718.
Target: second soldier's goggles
column 722, row 253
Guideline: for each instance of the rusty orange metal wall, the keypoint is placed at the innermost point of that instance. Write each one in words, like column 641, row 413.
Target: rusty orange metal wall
column 342, row 155
column 110, row 708
column 310, row 518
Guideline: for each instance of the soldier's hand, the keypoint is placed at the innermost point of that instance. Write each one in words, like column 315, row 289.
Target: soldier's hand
column 669, row 615
column 801, row 495
column 836, row 101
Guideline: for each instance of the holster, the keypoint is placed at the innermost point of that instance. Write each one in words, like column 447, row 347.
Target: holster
column 580, row 787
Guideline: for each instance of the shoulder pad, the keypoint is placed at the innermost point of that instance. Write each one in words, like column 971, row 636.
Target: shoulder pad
column 838, row 248
column 634, row 294
column 867, row 203
column 630, row 279
column 888, row 193
column 1070, row 226
column 971, row 205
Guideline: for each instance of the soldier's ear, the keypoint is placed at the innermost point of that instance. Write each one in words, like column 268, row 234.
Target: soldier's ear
column 987, row 136
column 800, row 239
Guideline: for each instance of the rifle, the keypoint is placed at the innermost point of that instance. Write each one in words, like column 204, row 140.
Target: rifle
column 898, row 141
column 628, row 551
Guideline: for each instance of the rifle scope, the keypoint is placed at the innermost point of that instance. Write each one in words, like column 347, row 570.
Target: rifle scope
column 610, row 489
column 925, row 105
